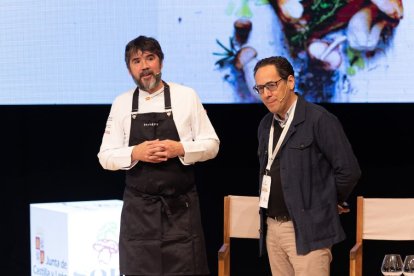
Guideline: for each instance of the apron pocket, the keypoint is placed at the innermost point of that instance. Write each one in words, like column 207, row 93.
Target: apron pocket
column 141, row 218
column 177, row 225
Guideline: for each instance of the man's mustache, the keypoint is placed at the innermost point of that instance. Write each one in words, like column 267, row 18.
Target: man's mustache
column 146, row 73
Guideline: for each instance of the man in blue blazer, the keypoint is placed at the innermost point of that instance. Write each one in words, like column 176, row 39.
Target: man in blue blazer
column 307, row 171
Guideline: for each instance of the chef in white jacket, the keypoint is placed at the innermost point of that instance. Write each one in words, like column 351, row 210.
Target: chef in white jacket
column 156, row 133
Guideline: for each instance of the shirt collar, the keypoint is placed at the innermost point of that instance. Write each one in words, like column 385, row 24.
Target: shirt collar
column 146, row 93
column 282, row 122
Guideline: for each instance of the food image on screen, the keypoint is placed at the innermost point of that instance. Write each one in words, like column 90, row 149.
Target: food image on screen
column 72, row 52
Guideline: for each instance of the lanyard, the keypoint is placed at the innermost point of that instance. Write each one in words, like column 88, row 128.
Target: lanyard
column 266, row 180
column 272, row 153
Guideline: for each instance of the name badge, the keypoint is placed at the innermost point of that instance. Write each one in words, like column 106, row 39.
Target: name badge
column 265, row 191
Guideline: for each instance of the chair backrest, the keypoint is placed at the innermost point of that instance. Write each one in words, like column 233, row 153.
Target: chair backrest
column 241, row 220
column 383, row 219
column 241, row 216
column 380, row 219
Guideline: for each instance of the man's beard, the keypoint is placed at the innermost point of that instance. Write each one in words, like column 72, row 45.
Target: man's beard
column 153, row 83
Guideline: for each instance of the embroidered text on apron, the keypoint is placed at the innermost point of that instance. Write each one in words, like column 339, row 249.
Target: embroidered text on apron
column 161, row 231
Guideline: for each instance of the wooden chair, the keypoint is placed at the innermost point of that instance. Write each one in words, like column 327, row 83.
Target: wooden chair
column 380, row 219
column 241, row 220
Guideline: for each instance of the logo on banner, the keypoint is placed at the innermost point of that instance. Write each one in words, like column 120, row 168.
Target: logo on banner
column 40, row 248
column 106, row 244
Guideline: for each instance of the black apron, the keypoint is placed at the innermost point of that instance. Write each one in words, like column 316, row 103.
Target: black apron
column 161, row 232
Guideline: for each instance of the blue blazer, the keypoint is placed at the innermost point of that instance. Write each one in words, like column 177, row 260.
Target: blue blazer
column 318, row 170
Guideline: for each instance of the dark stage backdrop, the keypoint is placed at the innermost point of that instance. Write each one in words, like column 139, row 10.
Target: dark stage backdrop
column 49, row 155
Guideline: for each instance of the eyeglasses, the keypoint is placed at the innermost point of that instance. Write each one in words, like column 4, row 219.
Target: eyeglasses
column 271, row 86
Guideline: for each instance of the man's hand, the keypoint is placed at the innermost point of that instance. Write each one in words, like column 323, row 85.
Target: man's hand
column 171, row 148
column 149, row 151
column 157, row 151
column 343, row 208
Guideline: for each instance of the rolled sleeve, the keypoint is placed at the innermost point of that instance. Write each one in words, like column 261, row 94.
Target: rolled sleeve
column 116, row 159
column 199, row 151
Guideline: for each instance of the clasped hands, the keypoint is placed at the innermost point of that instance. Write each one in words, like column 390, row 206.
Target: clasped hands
column 156, row 151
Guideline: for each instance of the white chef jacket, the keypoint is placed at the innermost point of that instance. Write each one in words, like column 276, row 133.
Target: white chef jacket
column 196, row 132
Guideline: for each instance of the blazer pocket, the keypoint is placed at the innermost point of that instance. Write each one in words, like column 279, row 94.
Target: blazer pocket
column 301, row 144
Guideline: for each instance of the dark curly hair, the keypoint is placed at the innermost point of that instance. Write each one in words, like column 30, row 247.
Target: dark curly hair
column 143, row 43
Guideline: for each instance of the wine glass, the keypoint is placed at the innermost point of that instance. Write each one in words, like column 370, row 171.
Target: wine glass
column 392, row 265
column 408, row 268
